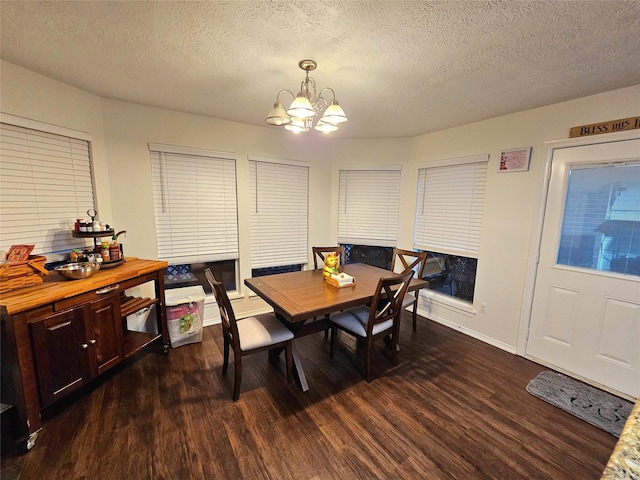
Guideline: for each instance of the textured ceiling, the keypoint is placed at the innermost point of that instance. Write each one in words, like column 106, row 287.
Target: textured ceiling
column 399, row 68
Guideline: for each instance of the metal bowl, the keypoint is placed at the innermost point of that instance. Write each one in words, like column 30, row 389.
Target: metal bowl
column 76, row 271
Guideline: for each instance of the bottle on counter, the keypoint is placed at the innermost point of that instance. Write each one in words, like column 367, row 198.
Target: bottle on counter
column 105, row 252
column 114, row 248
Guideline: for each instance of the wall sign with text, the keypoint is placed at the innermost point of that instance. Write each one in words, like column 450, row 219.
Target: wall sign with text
column 620, row 125
column 515, row 160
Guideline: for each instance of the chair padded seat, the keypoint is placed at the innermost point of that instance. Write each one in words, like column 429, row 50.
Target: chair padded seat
column 260, row 331
column 355, row 320
column 409, row 299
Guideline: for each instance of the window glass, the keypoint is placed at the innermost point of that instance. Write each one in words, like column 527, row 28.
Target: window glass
column 601, row 222
column 260, row 272
column 370, row 254
column 188, row 275
column 451, row 275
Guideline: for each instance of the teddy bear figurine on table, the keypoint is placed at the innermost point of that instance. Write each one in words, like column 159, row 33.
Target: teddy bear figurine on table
column 331, row 264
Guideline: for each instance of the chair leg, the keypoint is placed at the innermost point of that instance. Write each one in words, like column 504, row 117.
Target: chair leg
column 288, row 351
column 238, row 376
column 334, row 339
column 394, row 348
column 225, row 364
column 326, row 330
column 367, row 359
column 415, row 315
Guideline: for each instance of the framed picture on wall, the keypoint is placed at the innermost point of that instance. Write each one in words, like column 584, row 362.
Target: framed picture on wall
column 515, row 160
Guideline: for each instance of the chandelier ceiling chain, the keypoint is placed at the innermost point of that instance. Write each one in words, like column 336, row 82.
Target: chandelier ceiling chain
column 308, row 109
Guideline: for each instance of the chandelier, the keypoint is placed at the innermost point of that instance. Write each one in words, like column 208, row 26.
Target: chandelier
column 307, row 109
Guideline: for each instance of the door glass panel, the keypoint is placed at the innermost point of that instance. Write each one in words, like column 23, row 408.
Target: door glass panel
column 601, row 224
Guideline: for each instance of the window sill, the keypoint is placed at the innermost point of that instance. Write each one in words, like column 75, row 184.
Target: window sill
column 451, row 303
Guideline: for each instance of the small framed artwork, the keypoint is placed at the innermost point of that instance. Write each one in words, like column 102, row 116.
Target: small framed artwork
column 515, row 160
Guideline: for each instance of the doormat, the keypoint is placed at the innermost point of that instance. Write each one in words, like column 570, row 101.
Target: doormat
column 599, row 408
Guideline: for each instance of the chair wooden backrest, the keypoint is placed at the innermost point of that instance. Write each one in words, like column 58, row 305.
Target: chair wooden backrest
column 405, row 260
column 320, row 252
column 228, row 318
column 388, row 299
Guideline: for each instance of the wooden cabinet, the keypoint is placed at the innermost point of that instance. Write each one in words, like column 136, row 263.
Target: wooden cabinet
column 74, row 346
column 59, row 336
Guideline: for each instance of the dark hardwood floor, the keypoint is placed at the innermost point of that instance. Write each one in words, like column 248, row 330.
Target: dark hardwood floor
column 454, row 408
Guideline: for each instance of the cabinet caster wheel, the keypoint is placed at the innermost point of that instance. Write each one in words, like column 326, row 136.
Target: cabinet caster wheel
column 30, row 442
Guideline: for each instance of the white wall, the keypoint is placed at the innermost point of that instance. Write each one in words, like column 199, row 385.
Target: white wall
column 121, row 133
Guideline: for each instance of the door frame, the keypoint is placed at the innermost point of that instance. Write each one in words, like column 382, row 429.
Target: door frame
column 536, row 233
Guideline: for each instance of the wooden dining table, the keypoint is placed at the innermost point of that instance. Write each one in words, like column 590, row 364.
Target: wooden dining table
column 303, row 300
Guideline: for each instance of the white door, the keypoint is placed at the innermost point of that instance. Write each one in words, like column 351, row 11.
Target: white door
column 585, row 317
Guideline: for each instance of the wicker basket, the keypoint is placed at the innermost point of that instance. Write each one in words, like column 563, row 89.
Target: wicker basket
column 22, row 274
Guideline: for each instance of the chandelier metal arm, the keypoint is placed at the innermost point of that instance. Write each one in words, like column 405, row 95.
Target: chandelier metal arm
column 333, row 94
column 283, row 91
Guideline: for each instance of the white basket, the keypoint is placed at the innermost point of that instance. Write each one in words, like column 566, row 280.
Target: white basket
column 185, row 311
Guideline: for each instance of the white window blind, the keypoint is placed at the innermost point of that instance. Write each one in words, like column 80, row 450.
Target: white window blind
column 368, row 207
column 450, row 205
column 45, row 184
column 279, row 208
column 194, row 193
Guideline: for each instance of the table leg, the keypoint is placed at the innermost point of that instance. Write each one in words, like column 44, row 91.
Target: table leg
column 298, row 370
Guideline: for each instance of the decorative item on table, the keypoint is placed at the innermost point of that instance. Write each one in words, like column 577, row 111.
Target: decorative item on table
column 341, row 280
column 20, row 269
column 331, row 265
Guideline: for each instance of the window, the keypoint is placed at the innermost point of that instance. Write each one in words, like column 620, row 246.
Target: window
column 278, row 195
column 368, row 206
column 45, row 185
column 194, row 193
column 371, row 255
column 601, row 224
column 449, row 211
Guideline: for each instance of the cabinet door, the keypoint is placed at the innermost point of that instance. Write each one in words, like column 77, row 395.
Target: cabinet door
column 104, row 333
column 62, row 362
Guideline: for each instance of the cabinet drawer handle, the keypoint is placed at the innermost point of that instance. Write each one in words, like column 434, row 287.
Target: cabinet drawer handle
column 104, row 290
column 92, row 341
column 84, row 346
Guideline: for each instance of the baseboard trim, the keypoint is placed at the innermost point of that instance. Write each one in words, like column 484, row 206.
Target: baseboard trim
column 468, row 331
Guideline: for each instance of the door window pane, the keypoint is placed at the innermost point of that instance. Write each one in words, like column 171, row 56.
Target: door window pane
column 601, row 224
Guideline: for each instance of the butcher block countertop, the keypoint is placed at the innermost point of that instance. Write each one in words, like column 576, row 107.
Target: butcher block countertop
column 56, row 288
column 624, row 463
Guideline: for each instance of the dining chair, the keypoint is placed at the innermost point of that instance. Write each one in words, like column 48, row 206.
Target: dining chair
column 249, row 335
column 379, row 320
column 409, row 261
column 320, row 252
